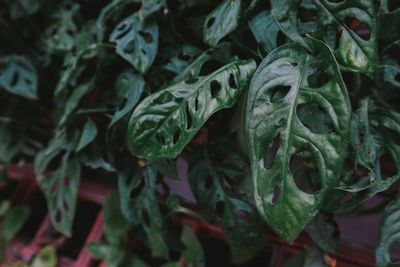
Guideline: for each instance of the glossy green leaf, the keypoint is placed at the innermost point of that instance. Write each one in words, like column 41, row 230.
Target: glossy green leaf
column 165, row 122
column 288, row 82
column 129, row 88
column 89, row 133
column 221, row 21
column 18, row 76
column 60, row 190
column 265, row 30
column 149, row 7
column 285, row 13
column 47, row 257
column 13, row 221
column 389, row 233
column 115, row 225
column 139, row 206
column 136, row 41
column 357, row 48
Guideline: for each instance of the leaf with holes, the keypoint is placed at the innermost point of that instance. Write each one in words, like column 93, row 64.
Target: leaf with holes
column 285, row 13
column 18, row 76
column 139, row 206
column 60, row 190
column 165, row 122
column 221, row 21
column 295, row 164
column 355, row 21
column 136, row 41
column 388, row 233
column 129, row 88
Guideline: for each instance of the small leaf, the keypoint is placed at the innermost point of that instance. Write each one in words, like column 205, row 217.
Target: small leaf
column 46, row 258
column 13, row 221
column 98, row 250
column 193, row 253
column 221, row 21
column 129, row 88
column 136, row 41
column 357, row 49
column 265, row 30
column 18, row 77
column 295, row 165
column 388, row 233
column 89, row 133
column 115, row 225
column 165, row 122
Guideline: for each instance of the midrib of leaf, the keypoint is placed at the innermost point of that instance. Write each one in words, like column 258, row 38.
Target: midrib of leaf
column 345, row 28
column 290, row 117
column 200, row 86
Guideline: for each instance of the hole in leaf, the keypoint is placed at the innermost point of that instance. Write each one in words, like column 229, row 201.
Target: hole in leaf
column 129, row 47
column 280, row 39
column 244, row 216
column 196, row 102
column 305, row 173
column 65, row 205
column 177, row 135
column 163, row 98
column 122, row 29
column 54, row 187
column 358, row 27
column 315, row 118
column 191, row 80
column 146, row 37
column 307, row 15
column 209, row 66
column 393, row 5
column 232, row 81
column 28, row 81
column 146, row 217
column 317, row 79
column 270, row 154
column 188, row 117
column 143, row 51
column 210, row 22
column 294, row 64
column 394, row 252
column 208, row 182
column 58, row 215
column 388, row 166
column 276, row 195
column 279, row 92
column 160, row 138
column 215, row 88
column 220, row 207
column 137, row 190
column 67, row 181
column 14, row 79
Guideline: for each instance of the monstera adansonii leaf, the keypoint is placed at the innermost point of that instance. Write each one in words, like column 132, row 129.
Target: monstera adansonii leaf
column 389, row 234
column 165, row 122
column 298, row 110
column 356, row 21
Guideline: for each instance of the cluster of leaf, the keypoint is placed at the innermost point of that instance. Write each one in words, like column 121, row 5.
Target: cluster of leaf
column 285, row 110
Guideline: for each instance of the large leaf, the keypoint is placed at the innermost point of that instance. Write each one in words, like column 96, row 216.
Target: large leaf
column 389, row 234
column 285, row 13
column 136, row 41
column 357, row 48
column 129, row 88
column 221, row 21
column 287, row 147
column 165, row 122
column 18, row 76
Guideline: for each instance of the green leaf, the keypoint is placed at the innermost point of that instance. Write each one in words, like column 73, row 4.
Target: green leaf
column 388, row 233
column 165, row 122
column 149, row 7
column 221, row 21
column 13, row 221
column 22, row 8
column 46, row 258
column 265, row 30
column 136, row 41
column 115, row 225
column 89, row 133
column 129, row 88
column 285, row 153
column 193, row 252
column 60, row 190
column 18, row 76
column 139, row 206
column 285, row 13
column 98, row 250
column 353, row 52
